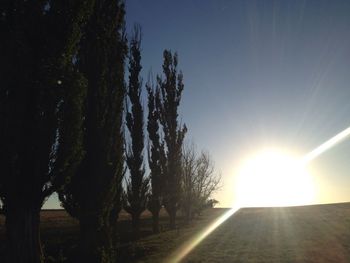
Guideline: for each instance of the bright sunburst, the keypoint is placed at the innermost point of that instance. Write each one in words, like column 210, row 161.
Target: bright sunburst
column 272, row 178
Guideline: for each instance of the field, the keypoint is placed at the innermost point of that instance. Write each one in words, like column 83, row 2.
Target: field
column 59, row 234
column 318, row 233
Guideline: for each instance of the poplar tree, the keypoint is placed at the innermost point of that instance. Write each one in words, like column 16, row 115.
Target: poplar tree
column 170, row 93
column 94, row 193
column 137, row 185
column 156, row 156
column 41, row 103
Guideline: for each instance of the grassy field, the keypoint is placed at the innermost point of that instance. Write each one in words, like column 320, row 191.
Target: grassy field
column 317, row 234
column 59, row 234
column 296, row 234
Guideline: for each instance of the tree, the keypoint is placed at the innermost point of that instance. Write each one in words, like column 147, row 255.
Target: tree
column 206, row 183
column 211, row 203
column 156, row 160
column 41, row 102
column 199, row 181
column 138, row 185
column 170, row 93
column 189, row 173
column 93, row 195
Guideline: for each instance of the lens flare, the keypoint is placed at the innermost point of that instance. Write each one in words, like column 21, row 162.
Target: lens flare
column 327, row 145
column 186, row 248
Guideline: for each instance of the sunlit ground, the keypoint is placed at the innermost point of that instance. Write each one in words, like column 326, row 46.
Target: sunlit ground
column 313, row 234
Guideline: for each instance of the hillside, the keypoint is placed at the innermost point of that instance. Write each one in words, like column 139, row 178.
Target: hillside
column 312, row 234
column 319, row 233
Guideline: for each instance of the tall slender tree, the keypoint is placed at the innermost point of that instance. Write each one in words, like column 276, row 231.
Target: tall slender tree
column 156, row 160
column 170, row 92
column 41, row 101
column 138, row 184
column 93, row 195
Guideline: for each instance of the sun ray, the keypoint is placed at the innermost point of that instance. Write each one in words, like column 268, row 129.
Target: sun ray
column 327, row 145
column 186, row 248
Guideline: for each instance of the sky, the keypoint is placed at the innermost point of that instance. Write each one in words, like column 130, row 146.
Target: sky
column 257, row 74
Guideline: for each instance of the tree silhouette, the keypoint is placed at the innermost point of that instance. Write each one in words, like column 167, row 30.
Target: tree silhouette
column 93, row 195
column 207, row 181
column 138, row 185
column 41, row 101
column 199, row 181
column 170, row 93
column 189, row 173
column 156, row 156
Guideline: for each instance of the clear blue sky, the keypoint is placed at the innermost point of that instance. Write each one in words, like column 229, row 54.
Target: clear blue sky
column 257, row 74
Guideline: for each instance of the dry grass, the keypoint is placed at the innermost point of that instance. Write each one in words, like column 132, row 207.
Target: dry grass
column 59, row 234
column 312, row 234
column 297, row 234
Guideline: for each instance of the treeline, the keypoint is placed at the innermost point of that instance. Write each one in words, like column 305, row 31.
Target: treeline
column 63, row 104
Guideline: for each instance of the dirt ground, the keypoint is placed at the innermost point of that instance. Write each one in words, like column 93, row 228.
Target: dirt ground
column 311, row 234
column 315, row 234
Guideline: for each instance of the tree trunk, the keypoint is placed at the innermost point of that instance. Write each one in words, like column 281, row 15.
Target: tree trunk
column 172, row 218
column 95, row 241
column 155, row 222
column 23, row 235
column 187, row 215
column 154, row 207
column 136, row 225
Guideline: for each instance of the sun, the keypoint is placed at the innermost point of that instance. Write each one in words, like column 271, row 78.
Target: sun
column 273, row 178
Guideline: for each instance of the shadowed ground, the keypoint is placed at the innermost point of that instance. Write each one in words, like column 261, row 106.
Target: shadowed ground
column 318, row 233
column 297, row 234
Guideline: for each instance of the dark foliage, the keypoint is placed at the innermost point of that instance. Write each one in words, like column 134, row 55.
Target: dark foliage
column 137, row 185
column 94, row 194
column 41, row 97
column 170, row 96
column 156, row 156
